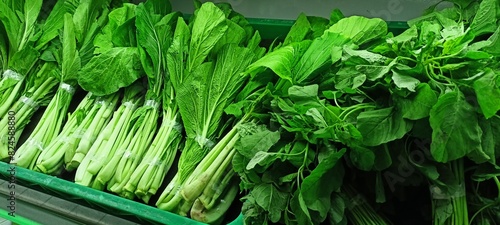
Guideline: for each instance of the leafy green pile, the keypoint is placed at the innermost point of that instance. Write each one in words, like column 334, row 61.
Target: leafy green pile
column 339, row 122
column 368, row 107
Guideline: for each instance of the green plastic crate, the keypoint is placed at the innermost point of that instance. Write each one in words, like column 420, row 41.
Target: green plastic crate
column 269, row 29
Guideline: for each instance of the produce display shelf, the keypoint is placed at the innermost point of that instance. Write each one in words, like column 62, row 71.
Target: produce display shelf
column 269, row 29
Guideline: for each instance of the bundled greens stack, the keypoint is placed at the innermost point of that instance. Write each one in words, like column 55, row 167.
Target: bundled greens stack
column 27, row 82
column 67, row 54
column 206, row 65
column 154, row 24
column 117, row 65
column 381, row 93
column 18, row 53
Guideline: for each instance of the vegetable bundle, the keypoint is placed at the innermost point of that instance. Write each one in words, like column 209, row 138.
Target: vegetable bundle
column 338, row 122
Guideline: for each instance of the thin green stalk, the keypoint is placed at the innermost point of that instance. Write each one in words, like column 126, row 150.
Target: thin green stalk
column 216, row 213
column 9, row 96
column 103, row 146
column 24, row 109
column 164, row 147
column 142, row 139
column 106, row 151
column 90, row 136
column 50, row 124
column 67, row 142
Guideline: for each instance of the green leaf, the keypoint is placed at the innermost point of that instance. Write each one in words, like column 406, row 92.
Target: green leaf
column 318, row 26
column 336, row 214
column 456, row 44
column 71, row 61
column 455, row 128
column 116, row 18
column 270, row 199
column 488, row 142
column 262, row 158
column 317, row 57
column 485, row 172
column 208, row 28
column 51, row 27
column 281, row 61
column 23, row 61
column 487, row 89
column 382, row 126
column 383, row 158
column 359, row 57
column 494, row 43
column 12, row 26
column 110, row 71
column 235, row 34
column 485, row 20
column 362, row 158
column 303, row 94
column 205, row 94
column 299, row 30
column 404, row 81
column 154, row 36
column 418, row 105
column 299, row 209
column 360, row 29
column 406, row 36
column 262, row 141
column 374, row 72
column 318, row 187
column 177, row 53
column 349, row 78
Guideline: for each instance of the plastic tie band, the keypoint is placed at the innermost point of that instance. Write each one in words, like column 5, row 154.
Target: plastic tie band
column 152, row 103
column 12, row 75
column 29, row 102
column 129, row 104
column 204, row 141
column 99, row 101
column 68, row 88
column 34, row 142
column 156, row 161
column 174, row 124
column 439, row 194
column 78, row 133
column 128, row 155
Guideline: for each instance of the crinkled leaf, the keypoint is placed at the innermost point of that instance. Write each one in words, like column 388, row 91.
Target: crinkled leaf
column 116, row 18
column 110, row 71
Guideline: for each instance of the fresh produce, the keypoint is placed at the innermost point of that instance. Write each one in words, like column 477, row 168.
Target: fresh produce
column 73, row 42
column 28, row 79
column 340, row 121
column 207, row 77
